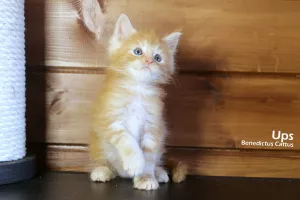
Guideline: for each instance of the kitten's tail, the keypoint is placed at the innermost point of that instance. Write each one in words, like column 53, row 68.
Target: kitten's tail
column 179, row 172
column 95, row 153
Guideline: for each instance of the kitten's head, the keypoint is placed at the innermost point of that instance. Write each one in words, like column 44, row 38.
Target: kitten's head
column 142, row 55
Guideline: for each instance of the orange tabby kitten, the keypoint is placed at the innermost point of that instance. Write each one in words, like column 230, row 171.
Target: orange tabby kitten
column 129, row 128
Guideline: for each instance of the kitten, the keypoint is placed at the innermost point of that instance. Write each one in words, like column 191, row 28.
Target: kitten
column 129, row 128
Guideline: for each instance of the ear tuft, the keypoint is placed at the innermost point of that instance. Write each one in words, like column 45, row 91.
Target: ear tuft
column 123, row 28
column 172, row 40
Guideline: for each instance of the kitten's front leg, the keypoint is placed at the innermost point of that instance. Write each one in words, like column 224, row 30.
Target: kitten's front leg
column 131, row 155
column 147, row 180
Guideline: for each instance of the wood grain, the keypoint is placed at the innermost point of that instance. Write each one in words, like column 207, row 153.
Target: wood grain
column 248, row 36
column 220, row 110
column 239, row 163
column 209, row 110
column 63, row 101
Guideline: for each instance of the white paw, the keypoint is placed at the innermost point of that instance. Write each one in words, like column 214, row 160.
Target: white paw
column 161, row 175
column 145, row 183
column 134, row 164
column 102, row 174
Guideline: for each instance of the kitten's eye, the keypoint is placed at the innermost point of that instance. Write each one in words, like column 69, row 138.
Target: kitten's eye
column 138, row 51
column 157, row 57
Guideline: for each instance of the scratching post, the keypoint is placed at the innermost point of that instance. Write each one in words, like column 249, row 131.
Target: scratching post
column 12, row 93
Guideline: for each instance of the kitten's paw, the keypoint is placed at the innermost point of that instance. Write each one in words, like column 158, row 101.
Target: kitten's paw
column 102, row 174
column 134, row 164
column 145, row 183
column 161, row 175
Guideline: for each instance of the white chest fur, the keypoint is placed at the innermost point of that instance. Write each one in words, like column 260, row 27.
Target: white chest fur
column 136, row 113
column 135, row 116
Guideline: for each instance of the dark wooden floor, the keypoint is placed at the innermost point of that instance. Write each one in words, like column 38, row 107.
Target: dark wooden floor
column 76, row 186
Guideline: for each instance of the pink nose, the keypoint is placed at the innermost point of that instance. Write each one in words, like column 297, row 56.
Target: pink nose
column 149, row 61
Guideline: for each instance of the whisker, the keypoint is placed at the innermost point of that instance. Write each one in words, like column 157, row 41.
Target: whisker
column 176, row 82
column 118, row 70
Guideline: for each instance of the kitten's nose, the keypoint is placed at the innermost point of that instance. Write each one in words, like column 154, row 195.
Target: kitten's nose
column 149, row 61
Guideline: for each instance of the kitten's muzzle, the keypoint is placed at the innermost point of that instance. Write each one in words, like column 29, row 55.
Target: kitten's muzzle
column 147, row 67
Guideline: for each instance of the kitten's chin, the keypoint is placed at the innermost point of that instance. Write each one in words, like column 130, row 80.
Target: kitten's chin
column 145, row 76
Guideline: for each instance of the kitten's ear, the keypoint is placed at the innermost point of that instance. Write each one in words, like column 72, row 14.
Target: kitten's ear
column 93, row 17
column 172, row 40
column 123, row 28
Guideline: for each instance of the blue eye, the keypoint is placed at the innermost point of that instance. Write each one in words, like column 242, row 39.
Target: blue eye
column 138, row 51
column 157, row 57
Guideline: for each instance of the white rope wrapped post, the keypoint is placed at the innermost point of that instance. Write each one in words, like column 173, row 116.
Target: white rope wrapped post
column 12, row 85
column 12, row 80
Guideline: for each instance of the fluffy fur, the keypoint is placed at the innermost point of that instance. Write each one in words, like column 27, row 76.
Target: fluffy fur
column 129, row 128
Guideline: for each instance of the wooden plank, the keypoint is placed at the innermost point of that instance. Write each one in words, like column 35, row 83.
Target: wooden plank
column 55, row 36
column 238, row 163
column 212, row 110
column 222, row 111
column 254, row 36
column 64, row 102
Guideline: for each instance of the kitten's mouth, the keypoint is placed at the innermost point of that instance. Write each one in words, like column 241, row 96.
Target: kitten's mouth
column 147, row 67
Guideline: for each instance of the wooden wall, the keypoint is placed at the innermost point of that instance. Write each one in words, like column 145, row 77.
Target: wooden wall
column 239, row 70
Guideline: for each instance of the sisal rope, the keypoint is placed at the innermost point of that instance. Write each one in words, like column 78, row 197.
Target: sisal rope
column 12, row 80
